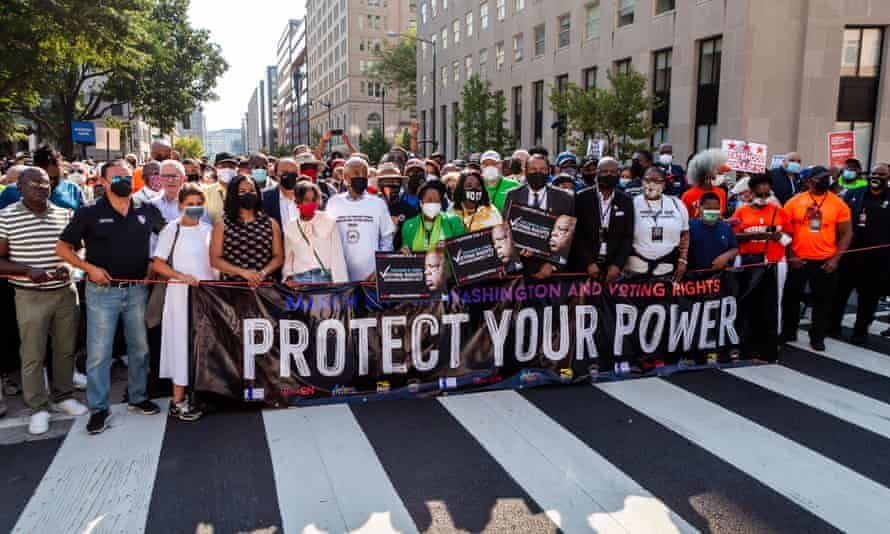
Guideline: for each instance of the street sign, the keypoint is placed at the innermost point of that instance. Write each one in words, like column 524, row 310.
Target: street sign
column 83, row 132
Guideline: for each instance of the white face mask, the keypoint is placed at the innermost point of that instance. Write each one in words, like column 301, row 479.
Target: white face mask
column 431, row 209
column 652, row 190
column 75, row 178
column 431, row 177
column 491, row 174
column 666, row 159
column 225, row 175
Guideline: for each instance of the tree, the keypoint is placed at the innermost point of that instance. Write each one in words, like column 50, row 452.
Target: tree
column 481, row 117
column 397, row 69
column 189, row 147
column 374, row 145
column 620, row 115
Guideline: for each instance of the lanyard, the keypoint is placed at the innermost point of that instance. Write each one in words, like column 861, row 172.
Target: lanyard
column 605, row 208
column 660, row 210
column 469, row 227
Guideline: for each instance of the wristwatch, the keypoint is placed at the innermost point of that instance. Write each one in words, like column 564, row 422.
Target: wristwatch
column 684, row 261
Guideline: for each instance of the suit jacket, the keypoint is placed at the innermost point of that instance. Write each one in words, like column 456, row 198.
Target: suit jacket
column 619, row 240
column 271, row 205
column 559, row 202
column 782, row 185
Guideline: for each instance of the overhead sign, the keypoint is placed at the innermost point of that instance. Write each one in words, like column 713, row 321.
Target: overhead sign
column 744, row 156
column 83, row 132
column 108, row 138
column 841, row 147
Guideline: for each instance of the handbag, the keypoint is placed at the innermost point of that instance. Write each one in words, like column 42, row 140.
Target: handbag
column 314, row 252
column 154, row 308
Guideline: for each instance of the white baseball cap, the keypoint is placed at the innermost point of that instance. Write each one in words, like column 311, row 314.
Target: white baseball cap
column 490, row 154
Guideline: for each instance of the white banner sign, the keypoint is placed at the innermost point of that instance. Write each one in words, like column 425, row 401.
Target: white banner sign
column 595, row 148
column 111, row 141
column 745, row 156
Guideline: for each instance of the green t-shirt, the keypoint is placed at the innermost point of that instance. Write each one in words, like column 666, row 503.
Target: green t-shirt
column 498, row 193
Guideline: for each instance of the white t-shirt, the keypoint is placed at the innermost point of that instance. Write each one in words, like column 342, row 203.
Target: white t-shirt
column 365, row 227
column 668, row 214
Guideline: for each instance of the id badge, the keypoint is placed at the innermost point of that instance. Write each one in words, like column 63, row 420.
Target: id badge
column 603, row 249
column 815, row 225
column 657, row 234
column 863, row 218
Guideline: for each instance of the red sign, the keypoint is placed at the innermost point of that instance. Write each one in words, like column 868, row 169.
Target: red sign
column 841, row 147
column 744, row 156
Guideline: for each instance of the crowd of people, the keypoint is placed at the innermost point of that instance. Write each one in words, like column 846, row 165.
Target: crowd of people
column 320, row 217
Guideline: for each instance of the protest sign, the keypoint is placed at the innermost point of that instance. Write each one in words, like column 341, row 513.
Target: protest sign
column 777, row 161
column 474, row 257
column 340, row 343
column 595, row 148
column 531, row 228
column 417, row 276
column 841, row 147
column 744, row 156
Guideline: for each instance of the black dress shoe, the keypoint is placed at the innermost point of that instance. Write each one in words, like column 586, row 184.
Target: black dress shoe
column 98, row 422
column 859, row 339
column 818, row 344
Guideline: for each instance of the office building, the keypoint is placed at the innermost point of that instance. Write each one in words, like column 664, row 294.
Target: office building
column 268, row 95
column 341, row 39
column 293, row 95
column 252, row 125
column 781, row 73
column 227, row 140
column 195, row 125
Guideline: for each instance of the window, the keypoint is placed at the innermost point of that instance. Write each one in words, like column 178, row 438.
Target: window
column 374, row 122
column 455, row 68
column 625, row 12
column 444, row 5
column 517, row 115
column 469, row 20
column 443, row 74
column 663, row 6
column 499, row 56
column 434, row 7
column 592, row 21
column 565, row 30
column 622, row 66
column 501, row 9
column 562, row 83
column 518, row 5
column 468, row 67
column 455, row 26
column 517, row 48
column 443, row 137
column 423, row 84
column 540, row 40
column 661, row 89
column 710, row 53
column 483, row 15
column 538, row 94
column 483, row 63
column 444, row 38
column 859, row 84
column 588, row 77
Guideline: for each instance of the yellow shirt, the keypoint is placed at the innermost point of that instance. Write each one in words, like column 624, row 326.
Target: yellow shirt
column 485, row 217
column 215, row 202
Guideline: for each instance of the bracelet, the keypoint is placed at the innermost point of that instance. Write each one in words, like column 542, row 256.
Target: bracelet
column 684, row 261
column 263, row 273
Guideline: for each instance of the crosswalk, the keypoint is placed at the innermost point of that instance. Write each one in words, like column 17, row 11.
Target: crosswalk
column 798, row 446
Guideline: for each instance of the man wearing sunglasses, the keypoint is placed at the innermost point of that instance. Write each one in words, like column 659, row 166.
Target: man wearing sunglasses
column 115, row 231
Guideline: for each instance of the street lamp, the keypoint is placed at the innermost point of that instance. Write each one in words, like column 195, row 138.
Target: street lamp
column 435, row 87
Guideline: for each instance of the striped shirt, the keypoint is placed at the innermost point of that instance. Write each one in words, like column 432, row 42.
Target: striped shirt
column 32, row 239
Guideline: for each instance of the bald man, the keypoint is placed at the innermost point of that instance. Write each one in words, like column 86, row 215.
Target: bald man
column 363, row 221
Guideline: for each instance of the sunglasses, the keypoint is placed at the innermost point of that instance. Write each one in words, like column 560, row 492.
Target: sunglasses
column 115, row 179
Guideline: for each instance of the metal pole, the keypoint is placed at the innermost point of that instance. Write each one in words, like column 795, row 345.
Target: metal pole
column 435, row 90
column 107, row 144
column 383, row 111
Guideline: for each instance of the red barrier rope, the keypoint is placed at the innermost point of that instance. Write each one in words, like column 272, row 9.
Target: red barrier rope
column 239, row 283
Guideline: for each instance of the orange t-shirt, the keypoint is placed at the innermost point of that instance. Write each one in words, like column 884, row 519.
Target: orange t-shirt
column 808, row 243
column 137, row 179
column 692, row 196
column 756, row 221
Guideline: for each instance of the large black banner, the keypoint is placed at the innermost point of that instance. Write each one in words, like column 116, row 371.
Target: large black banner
column 341, row 343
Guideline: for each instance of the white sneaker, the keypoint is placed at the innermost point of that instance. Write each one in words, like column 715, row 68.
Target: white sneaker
column 39, row 423
column 71, row 407
column 80, row 381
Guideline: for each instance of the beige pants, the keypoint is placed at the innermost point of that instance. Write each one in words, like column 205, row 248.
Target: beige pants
column 43, row 314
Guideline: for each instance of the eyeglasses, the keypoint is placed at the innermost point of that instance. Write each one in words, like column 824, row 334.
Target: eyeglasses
column 171, row 178
column 115, row 179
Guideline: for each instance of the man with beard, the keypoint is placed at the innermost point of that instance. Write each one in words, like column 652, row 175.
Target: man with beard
column 605, row 230
column 866, row 271
column 821, row 233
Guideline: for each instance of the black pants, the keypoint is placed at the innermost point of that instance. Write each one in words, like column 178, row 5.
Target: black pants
column 10, row 360
column 822, row 286
column 867, row 275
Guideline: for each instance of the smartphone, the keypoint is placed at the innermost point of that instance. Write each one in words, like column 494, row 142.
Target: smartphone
column 338, row 131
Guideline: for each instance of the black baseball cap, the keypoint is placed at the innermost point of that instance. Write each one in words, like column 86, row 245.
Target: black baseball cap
column 224, row 157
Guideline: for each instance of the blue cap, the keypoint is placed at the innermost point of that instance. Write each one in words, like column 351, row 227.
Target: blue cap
column 566, row 156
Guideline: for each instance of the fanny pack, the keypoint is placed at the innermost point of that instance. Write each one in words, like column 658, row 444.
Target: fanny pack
column 652, row 264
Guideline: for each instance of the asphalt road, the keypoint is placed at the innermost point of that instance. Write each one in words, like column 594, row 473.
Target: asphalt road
column 802, row 446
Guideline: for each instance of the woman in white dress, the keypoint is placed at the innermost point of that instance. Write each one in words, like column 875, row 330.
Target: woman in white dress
column 182, row 254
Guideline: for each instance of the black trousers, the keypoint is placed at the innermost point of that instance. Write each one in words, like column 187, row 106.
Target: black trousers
column 867, row 275
column 822, row 287
column 10, row 360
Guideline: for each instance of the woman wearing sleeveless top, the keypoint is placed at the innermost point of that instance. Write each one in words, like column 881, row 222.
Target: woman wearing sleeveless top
column 246, row 244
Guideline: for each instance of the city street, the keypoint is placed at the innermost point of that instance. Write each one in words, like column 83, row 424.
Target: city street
column 802, row 446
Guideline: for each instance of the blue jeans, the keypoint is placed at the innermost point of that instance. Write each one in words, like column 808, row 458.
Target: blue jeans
column 105, row 304
column 315, row 276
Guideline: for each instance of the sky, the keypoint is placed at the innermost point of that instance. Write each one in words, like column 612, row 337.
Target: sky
column 247, row 32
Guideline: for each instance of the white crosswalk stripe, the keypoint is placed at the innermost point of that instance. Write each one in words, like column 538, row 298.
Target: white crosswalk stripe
column 331, row 476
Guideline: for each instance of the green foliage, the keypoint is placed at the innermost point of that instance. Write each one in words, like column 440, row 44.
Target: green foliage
column 481, row 117
column 620, row 115
column 397, row 69
column 282, row 151
column 189, row 147
column 374, row 145
column 403, row 139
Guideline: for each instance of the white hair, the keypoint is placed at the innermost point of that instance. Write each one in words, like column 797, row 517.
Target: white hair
column 607, row 159
column 704, row 163
column 173, row 163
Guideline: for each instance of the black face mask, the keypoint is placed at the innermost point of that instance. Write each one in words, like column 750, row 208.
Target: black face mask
column 358, row 184
column 122, row 188
column 821, row 185
column 248, row 201
column 516, row 166
column 537, row 180
column 193, row 177
column 474, row 195
column 877, row 183
column 607, row 181
column 98, row 190
column 288, row 181
column 415, row 180
column 589, row 179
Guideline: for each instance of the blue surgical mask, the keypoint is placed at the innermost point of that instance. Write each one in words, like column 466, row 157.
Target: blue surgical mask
column 259, row 176
column 194, row 212
column 849, row 174
column 794, row 167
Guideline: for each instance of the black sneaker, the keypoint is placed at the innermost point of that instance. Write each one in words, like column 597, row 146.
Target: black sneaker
column 146, row 407
column 818, row 344
column 184, row 411
column 98, row 422
column 784, row 340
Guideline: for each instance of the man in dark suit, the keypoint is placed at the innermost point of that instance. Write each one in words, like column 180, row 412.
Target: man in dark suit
column 537, row 194
column 278, row 202
column 605, row 230
column 786, row 179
